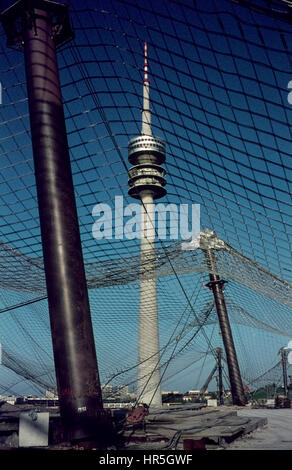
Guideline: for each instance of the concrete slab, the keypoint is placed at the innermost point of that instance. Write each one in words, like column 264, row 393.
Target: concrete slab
column 276, row 435
column 33, row 429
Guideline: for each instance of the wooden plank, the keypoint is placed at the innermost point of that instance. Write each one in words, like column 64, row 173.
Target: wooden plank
column 174, row 417
column 193, row 406
column 215, row 425
column 194, row 427
column 254, row 423
column 215, row 432
column 190, row 422
column 234, row 421
column 228, row 431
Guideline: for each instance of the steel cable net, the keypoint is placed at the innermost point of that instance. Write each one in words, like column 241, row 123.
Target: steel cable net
column 219, row 74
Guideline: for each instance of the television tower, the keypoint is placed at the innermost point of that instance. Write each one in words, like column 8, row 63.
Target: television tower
column 147, row 180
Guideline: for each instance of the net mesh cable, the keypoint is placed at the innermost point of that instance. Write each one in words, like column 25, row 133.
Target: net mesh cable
column 219, row 75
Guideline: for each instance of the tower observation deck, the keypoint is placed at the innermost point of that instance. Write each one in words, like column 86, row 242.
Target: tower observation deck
column 147, row 182
column 146, row 153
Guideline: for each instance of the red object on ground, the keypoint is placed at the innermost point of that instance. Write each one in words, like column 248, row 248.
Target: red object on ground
column 137, row 414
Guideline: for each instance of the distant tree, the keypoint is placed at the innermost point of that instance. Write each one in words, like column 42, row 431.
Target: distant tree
column 172, row 398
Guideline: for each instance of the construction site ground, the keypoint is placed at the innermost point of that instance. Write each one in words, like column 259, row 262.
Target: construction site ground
column 188, row 427
column 275, row 435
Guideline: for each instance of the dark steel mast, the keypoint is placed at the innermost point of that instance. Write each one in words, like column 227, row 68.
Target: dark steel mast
column 209, row 242
column 39, row 26
column 283, row 352
column 220, row 381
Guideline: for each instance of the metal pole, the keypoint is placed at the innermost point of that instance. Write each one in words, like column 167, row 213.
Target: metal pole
column 220, row 381
column 283, row 352
column 216, row 285
column 78, row 384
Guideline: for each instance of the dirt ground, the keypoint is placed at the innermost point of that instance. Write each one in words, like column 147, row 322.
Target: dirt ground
column 276, row 435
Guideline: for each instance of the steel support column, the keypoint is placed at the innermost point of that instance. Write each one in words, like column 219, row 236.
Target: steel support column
column 76, row 368
column 283, row 352
column 220, row 381
column 216, row 285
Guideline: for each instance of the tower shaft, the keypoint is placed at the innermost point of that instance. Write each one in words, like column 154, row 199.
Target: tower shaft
column 148, row 372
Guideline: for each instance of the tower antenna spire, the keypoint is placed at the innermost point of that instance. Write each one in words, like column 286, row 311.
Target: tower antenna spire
column 146, row 114
column 145, row 63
